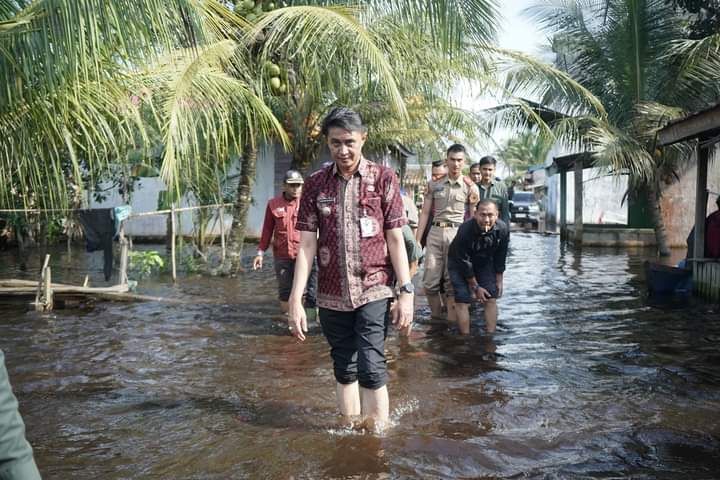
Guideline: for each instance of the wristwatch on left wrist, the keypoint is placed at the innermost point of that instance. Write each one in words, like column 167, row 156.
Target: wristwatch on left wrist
column 407, row 288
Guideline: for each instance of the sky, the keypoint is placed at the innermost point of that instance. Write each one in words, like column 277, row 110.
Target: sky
column 517, row 32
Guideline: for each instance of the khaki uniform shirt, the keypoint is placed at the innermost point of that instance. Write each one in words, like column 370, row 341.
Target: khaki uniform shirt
column 451, row 198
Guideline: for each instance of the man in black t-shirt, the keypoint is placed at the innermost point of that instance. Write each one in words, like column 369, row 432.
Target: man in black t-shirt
column 476, row 263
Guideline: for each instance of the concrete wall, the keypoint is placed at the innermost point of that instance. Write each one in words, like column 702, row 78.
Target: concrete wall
column 272, row 164
column 678, row 203
column 602, row 198
column 144, row 198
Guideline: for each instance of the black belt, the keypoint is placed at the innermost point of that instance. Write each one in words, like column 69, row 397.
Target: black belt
column 445, row 224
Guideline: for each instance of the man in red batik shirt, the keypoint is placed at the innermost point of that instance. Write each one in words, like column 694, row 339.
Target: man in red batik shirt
column 351, row 215
column 279, row 225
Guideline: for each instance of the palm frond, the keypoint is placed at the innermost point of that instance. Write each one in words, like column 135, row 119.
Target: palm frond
column 292, row 30
column 207, row 112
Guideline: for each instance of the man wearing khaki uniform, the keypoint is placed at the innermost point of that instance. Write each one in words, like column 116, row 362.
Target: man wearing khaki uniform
column 452, row 200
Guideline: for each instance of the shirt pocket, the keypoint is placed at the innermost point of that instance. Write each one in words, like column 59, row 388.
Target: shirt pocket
column 461, row 197
column 372, row 207
column 327, row 209
column 279, row 212
column 440, row 193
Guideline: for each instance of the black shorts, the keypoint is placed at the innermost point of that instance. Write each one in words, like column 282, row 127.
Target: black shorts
column 357, row 343
column 285, row 272
column 485, row 276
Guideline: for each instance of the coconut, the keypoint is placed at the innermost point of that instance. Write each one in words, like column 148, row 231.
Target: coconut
column 248, row 4
column 250, row 17
column 272, row 69
column 283, row 88
column 275, row 83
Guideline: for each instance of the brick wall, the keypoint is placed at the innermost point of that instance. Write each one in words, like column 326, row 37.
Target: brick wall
column 678, row 204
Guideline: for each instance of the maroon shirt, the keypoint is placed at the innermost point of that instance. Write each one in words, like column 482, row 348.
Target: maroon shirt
column 353, row 259
column 280, row 217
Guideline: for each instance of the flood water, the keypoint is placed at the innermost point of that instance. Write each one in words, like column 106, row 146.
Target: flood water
column 582, row 380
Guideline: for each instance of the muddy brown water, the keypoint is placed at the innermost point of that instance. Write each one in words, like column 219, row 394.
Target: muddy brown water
column 584, row 379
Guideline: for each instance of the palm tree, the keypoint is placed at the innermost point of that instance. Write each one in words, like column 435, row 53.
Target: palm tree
column 634, row 57
column 192, row 73
column 523, row 151
column 76, row 99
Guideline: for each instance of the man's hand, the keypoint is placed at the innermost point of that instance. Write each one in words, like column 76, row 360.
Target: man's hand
column 297, row 321
column 402, row 311
column 482, row 295
column 257, row 262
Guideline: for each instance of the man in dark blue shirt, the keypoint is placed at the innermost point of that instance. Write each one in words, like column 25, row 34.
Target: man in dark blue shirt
column 476, row 263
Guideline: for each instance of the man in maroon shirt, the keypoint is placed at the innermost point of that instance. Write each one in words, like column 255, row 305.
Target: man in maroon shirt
column 351, row 215
column 279, row 225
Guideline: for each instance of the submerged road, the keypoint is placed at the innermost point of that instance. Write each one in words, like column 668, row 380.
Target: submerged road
column 583, row 379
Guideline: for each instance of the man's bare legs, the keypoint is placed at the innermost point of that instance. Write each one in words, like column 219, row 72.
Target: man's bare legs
column 373, row 405
column 491, row 313
column 451, row 311
column 462, row 313
column 375, row 408
column 435, row 305
column 348, row 398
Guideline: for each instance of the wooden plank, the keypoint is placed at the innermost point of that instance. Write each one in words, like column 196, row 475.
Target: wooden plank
column 698, row 124
column 64, row 289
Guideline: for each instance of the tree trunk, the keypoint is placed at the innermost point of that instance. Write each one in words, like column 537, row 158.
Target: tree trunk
column 241, row 207
column 22, row 252
column 654, row 194
column 168, row 233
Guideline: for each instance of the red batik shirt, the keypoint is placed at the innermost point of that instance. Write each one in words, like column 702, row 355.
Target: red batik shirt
column 351, row 217
column 280, row 217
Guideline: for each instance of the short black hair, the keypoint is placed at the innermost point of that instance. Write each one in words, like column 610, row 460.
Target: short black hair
column 487, row 201
column 345, row 118
column 455, row 148
column 488, row 159
column 438, row 163
column 475, row 165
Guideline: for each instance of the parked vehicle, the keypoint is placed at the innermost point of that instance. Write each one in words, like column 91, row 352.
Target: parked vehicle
column 524, row 208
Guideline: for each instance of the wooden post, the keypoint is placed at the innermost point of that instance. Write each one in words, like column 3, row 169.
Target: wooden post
column 563, row 205
column 172, row 241
column 578, row 170
column 123, row 280
column 222, row 234
column 700, row 202
column 39, row 307
column 48, row 293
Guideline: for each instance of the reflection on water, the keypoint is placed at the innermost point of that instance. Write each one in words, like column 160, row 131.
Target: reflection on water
column 582, row 379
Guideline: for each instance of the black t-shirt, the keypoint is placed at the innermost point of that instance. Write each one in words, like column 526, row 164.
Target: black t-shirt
column 472, row 248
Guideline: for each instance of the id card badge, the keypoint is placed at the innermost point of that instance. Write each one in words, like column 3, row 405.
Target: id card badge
column 368, row 227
